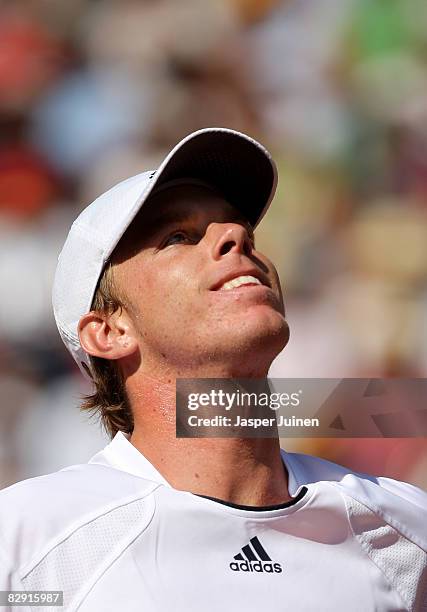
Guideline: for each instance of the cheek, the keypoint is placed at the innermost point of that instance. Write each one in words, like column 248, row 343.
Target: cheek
column 278, row 285
column 272, row 273
column 160, row 293
column 279, row 292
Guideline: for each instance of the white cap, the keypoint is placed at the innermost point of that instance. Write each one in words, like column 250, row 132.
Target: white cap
column 237, row 166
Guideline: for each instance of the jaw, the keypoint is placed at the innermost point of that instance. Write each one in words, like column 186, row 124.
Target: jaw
column 243, row 353
column 232, row 337
column 240, row 347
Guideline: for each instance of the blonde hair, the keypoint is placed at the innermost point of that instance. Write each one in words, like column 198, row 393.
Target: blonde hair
column 109, row 401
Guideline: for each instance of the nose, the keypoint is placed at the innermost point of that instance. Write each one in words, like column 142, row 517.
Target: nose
column 224, row 238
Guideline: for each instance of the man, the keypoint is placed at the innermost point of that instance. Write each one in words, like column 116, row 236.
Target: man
column 160, row 279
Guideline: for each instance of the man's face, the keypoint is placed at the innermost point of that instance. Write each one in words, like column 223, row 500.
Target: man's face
column 176, row 267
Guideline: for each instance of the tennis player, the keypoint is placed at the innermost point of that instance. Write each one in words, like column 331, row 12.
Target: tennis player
column 159, row 279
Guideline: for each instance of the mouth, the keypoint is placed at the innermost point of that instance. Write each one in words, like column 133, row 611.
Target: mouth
column 242, row 280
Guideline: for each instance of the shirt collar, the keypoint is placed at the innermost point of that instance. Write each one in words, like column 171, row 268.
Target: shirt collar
column 121, row 454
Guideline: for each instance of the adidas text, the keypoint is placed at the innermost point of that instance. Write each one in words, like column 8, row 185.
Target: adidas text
column 256, row 566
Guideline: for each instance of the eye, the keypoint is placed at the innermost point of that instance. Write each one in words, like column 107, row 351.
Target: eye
column 177, row 237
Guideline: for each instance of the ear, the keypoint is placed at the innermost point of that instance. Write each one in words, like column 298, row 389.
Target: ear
column 110, row 336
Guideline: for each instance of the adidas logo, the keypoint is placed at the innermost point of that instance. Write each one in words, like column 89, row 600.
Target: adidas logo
column 254, row 559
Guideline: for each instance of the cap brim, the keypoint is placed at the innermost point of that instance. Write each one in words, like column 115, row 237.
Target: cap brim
column 237, row 166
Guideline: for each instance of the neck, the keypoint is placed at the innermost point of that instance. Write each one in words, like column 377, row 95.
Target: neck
column 246, row 471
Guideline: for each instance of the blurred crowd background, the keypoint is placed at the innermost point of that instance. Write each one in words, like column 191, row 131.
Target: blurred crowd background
column 93, row 91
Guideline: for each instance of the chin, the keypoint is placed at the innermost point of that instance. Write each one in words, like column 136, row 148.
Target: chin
column 266, row 325
column 272, row 341
column 255, row 346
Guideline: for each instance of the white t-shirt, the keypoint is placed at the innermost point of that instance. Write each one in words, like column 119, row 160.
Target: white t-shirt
column 113, row 535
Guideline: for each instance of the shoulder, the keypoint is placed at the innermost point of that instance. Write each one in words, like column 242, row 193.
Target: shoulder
column 39, row 514
column 399, row 504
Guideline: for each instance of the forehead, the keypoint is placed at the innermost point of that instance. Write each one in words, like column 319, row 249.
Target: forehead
column 190, row 204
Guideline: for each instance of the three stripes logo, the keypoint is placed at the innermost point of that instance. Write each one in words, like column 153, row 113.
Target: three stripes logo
column 254, row 559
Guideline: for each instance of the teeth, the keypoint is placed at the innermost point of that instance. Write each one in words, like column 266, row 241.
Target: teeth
column 239, row 281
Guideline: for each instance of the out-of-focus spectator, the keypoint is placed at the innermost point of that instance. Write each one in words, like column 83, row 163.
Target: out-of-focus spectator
column 31, row 58
column 27, row 183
